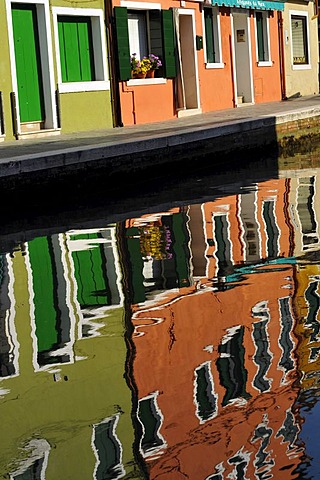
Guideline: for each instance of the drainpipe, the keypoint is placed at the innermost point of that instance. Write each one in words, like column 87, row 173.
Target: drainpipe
column 114, row 82
column 281, row 56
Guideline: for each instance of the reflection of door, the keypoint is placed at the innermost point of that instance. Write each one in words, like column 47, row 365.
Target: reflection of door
column 242, row 58
column 28, row 66
column 188, row 89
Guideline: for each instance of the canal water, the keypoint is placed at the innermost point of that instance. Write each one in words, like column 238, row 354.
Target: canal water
column 179, row 340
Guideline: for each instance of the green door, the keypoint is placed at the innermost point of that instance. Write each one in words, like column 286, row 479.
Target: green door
column 28, row 65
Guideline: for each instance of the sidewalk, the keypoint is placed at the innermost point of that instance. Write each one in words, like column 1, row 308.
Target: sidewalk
column 30, row 156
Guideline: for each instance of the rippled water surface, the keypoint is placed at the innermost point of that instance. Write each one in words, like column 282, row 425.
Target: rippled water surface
column 169, row 341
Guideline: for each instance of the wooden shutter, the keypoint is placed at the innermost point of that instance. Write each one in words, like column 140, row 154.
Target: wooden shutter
column 170, row 69
column 208, row 24
column 123, row 49
column 76, row 49
column 260, row 39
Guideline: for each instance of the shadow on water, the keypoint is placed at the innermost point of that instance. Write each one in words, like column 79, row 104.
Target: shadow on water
column 90, row 200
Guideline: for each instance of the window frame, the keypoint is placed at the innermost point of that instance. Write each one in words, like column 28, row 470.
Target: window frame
column 303, row 14
column 145, row 7
column 99, row 50
column 265, row 38
column 215, row 16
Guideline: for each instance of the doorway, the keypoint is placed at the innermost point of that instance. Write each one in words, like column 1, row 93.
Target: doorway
column 34, row 105
column 242, row 57
column 188, row 101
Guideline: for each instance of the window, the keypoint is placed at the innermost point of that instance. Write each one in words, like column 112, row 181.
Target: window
column 223, row 250
column 144, row 31
column 150, row 417
column 232, row 372
column 272, row 230
column 299, row 39
column 262, row 35
column 205, row 399
column 81, row 50
column 108, row 450
column 212, row 38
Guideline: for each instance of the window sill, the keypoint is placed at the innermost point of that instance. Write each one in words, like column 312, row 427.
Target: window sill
column 214, row 65
column 265, row 64
column 146, row 81
column 70, row 87
column 301, row 67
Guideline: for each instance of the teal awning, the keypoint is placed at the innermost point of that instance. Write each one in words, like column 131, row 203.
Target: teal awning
column 256, row 4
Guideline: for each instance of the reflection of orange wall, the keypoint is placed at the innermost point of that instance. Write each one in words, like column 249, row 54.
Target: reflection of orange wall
column 175, row 346
column 272, row 189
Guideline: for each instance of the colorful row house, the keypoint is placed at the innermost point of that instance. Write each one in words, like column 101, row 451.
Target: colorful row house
column 67, row 68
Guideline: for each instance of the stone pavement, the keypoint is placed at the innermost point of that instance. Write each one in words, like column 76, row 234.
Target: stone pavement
column 35, row 155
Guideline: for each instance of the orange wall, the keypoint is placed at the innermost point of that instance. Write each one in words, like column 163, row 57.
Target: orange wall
column 266, row 80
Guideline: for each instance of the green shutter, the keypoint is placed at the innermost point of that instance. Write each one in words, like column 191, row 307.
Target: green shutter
column 155, row 32
column 28, row 63
column 121, row 23
column 259, row 22
column 168, row 44
column 76, row 49
column 208, row 24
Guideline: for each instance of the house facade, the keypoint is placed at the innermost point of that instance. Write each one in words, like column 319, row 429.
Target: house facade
column 301, row 55
column 54, row 69
column 227, row 54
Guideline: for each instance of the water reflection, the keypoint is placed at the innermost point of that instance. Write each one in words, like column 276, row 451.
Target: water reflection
column 178, row 344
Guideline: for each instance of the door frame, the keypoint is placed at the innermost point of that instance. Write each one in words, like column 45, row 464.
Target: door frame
column 47, row 65
column 191, row 13
column 234, row 68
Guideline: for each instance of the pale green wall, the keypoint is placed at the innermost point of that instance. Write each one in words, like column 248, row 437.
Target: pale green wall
column 64, row 412
column 85, row 111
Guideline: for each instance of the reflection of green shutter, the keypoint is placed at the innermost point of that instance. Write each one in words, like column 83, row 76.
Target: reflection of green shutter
column 92, row 283
column 209, row 35
column 108, row 450
column 43, row 288
column 180, row 248
column 121, row 23
column 150, row 420
column 76, row 49
column 136, row 264
column 168, row 44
